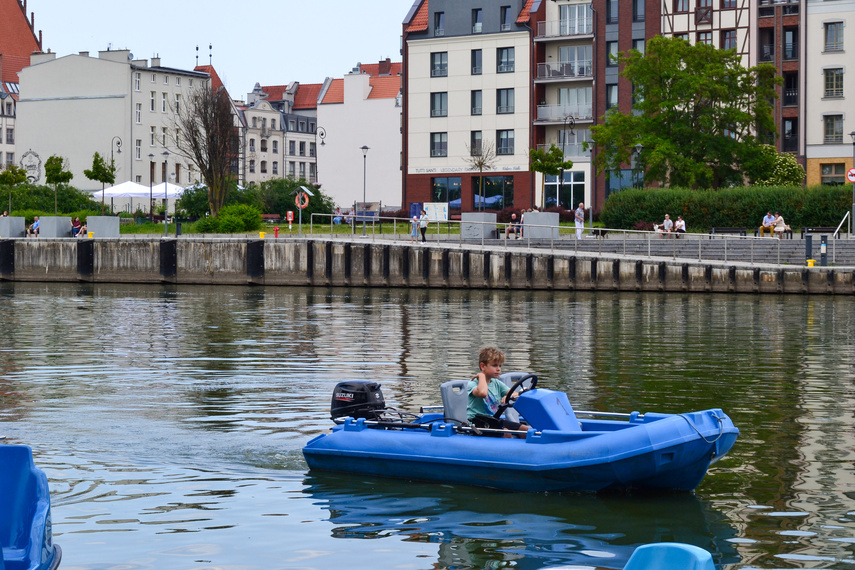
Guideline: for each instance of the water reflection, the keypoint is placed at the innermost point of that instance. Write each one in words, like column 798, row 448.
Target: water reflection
column 490, row 529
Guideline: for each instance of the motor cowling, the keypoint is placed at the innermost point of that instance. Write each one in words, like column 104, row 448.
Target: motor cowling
column 357, row 399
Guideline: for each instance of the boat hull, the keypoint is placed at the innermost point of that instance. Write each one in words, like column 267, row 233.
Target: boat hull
column 653, row 451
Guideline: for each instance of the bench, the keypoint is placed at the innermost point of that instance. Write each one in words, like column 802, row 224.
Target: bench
column 819, row 230
column 270, row 218
column 787, row 233
column 739, row 231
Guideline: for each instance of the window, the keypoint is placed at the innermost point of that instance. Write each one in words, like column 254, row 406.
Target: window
column 251, row 145
column 638, row 45
column 255, row 122
column 611, row 96
column 611, row 54
column 683, row 36
column 292, row 148
column 728, row 4
column 302, row 170
column 292, row 169
column 166, row 80
column 272, row 124
column 312, row 172
column 504, row 101
column 10, row 136
column 447, row 189
column 832, row 174
column 681, row 5
column 275, row 168
column 154, row 78
column 476, row 102
column 834, row 82
column 475, row 143
column 505, row 18
column 138, row 113
column 476, row 21
column 292, row 125
column 611, row 11
column 728, row 39
column 476, row 62
column 567, row 192
column 439, row 24
column 505, row 60
column 163, row 102
column 264, row 167
column 302, row 126
column 137, row 80
column 275, row 147
column 177, row 103
column 575, row 19
column 638, row 10
column 263, row 145
column 163, row 136
column 252, row 166
column 791, row 43
column 302, row 148
column 312, row 149
column 791, row 135
column 153, row 97
column 834, row 36
column 10, row 158
column 439, row 144
column 833, row 128
column 505, row 142
column 178, row 81
column 264, row 124
column 439, row 64
column 791, row 88
column 705, row 38
column 153, row 140
column 439, row 104
column 576, row 102
column 138, row 149
column 498, row 192
column 576, row 61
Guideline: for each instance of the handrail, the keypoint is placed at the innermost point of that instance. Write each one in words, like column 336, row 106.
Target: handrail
column 840, row 224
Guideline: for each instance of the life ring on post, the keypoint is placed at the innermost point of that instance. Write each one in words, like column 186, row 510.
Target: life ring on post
column 302, row 200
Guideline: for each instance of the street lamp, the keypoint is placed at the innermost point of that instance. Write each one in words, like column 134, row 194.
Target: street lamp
column 638, row 148
column 150, row 191
column 165, row 193
column 852, row 213
column 569, row 124
column 364, row 165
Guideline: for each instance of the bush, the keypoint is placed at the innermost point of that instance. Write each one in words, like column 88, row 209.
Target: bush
column 229, row 224
column 249, row 218
column 207, row 225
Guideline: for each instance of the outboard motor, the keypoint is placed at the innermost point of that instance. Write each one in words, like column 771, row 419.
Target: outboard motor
column 357, row 399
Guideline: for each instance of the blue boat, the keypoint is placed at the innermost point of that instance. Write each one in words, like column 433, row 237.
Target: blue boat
column 562, row 450
column 25, row 524
column 670, row 556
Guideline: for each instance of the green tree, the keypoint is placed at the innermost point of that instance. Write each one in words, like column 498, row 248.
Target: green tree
column 549, row 163
column 102, row 172
column 13, row 175
column 786, row 170
column 699, row 114
column 56, row 174
column 277, row 197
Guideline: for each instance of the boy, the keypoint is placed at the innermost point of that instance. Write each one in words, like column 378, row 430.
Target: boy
column 486, row 391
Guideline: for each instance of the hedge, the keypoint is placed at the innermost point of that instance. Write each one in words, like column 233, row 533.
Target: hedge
column 729, row 207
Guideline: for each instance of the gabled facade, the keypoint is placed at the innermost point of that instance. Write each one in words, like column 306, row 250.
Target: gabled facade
column 263, row 140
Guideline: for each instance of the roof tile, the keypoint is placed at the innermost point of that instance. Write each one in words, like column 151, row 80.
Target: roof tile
column 420, row 21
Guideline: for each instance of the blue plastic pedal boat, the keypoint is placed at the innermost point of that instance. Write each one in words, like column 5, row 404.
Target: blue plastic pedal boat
column 25, row 524
column 559, row 452
column 670, row 556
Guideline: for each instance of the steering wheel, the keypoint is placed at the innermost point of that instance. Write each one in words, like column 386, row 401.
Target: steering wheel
column 517, row 384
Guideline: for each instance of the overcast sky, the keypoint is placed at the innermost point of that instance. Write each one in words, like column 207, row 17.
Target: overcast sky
column 272, row 42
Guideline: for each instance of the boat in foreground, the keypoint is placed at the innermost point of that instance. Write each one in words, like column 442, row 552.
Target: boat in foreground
column 559, row 452
column 25, row 523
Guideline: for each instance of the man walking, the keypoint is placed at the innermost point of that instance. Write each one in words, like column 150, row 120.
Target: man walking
column 580, row 220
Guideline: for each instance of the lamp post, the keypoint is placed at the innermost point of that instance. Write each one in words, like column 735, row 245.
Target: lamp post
column 638, row 148
column 150, row 191
column 569, row 124
column 364, row 166
column 165, row 194
column 852, row 213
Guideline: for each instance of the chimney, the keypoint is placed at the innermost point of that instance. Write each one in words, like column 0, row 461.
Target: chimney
column 385, row 67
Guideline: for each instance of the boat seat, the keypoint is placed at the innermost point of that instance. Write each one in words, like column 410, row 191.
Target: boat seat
column 667, row 555
column 455, row 400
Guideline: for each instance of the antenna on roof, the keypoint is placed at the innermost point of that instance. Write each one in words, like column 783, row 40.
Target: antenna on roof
column 210, row 54
column 197, row 55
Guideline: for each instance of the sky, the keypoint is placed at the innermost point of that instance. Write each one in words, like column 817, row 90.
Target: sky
column 271, row 42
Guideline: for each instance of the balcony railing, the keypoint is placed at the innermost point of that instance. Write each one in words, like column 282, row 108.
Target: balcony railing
column 791, row 50
column 571, row 150
column 565, row 70
column 791, row 96
column 559, row 113
column 767, row 52
column 791, row 143
column 439, row 71
column 565, row 28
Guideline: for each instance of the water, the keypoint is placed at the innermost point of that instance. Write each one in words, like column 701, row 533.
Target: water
column 169, row 421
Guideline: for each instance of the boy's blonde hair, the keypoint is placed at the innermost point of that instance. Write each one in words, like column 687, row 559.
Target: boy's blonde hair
column 491, row 355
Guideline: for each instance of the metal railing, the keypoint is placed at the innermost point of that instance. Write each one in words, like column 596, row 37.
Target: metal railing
column 559, row 113
column 563, row 28
column 565, row 70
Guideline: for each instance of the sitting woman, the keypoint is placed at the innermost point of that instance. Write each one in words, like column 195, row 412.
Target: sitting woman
column 75, row 227
column 83, row 231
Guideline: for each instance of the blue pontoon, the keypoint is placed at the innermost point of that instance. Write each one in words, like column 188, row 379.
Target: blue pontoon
column 25, row 524
column 559, row 452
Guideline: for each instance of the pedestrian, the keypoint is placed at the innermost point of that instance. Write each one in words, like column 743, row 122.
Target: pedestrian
column 580, row 220
column 414, row 229
column 423, row 223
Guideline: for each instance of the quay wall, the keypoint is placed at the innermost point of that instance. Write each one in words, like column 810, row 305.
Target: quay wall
column 331, row 262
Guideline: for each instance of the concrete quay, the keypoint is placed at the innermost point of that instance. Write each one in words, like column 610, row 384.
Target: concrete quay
column 589, row 264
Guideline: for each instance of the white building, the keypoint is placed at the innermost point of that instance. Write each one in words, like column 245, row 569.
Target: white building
column 113, row 104
column 263, row 142
column 359, row 110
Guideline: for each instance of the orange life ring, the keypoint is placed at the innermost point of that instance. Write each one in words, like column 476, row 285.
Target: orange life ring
column 302, row 200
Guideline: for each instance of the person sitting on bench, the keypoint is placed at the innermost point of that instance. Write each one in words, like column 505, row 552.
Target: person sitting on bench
column 33, row 229
column 513, row 227
column 768, row 224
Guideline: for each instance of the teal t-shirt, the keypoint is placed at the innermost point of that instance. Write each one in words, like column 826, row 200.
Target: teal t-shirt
column 496, row 390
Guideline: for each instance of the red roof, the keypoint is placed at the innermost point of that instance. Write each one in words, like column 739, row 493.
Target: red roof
column 335, row 93
column 384, row 87
column 10, row 65
column 216, row 82
column 275, row 92
column 16, row 35
column 420, row 21
column 373, row 69
column 307, row 96
column 525, row 15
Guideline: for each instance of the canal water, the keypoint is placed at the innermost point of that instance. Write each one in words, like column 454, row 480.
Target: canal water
column 170, row 420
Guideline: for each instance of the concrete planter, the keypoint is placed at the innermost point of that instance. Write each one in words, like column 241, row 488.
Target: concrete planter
column 103, row 226
column 12, row 227
column 541, row 219
column 480, row 224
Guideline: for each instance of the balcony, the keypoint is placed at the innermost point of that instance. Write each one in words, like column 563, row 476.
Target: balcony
column 558, row 113
column 791, row 96
column 565, row 28
column 767, row 52
column 569, row 70
column 790, row 143
column 571, row 150
column 791, row 51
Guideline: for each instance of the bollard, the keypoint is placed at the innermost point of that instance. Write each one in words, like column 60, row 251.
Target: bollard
column 808, row 247
column 276, row 231
column 823, row 250
column 811, row 262
column 261, row 235
column 90, row 234
column 177, row 229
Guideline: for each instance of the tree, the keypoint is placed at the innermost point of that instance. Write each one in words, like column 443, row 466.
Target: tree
column 786, row 170
column 699, row 115
column 548, row 162
column 278, row 195
column 481, row 158
column 101, row 172
column 209, row 139
column 13, row 175
column 55, row 173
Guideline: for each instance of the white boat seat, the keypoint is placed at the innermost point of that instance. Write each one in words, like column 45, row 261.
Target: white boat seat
column 455, row 400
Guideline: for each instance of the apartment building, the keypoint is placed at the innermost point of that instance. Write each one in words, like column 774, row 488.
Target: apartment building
column 263, row 142
column 121, row 107
column 830, row 90
column 468, row 69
